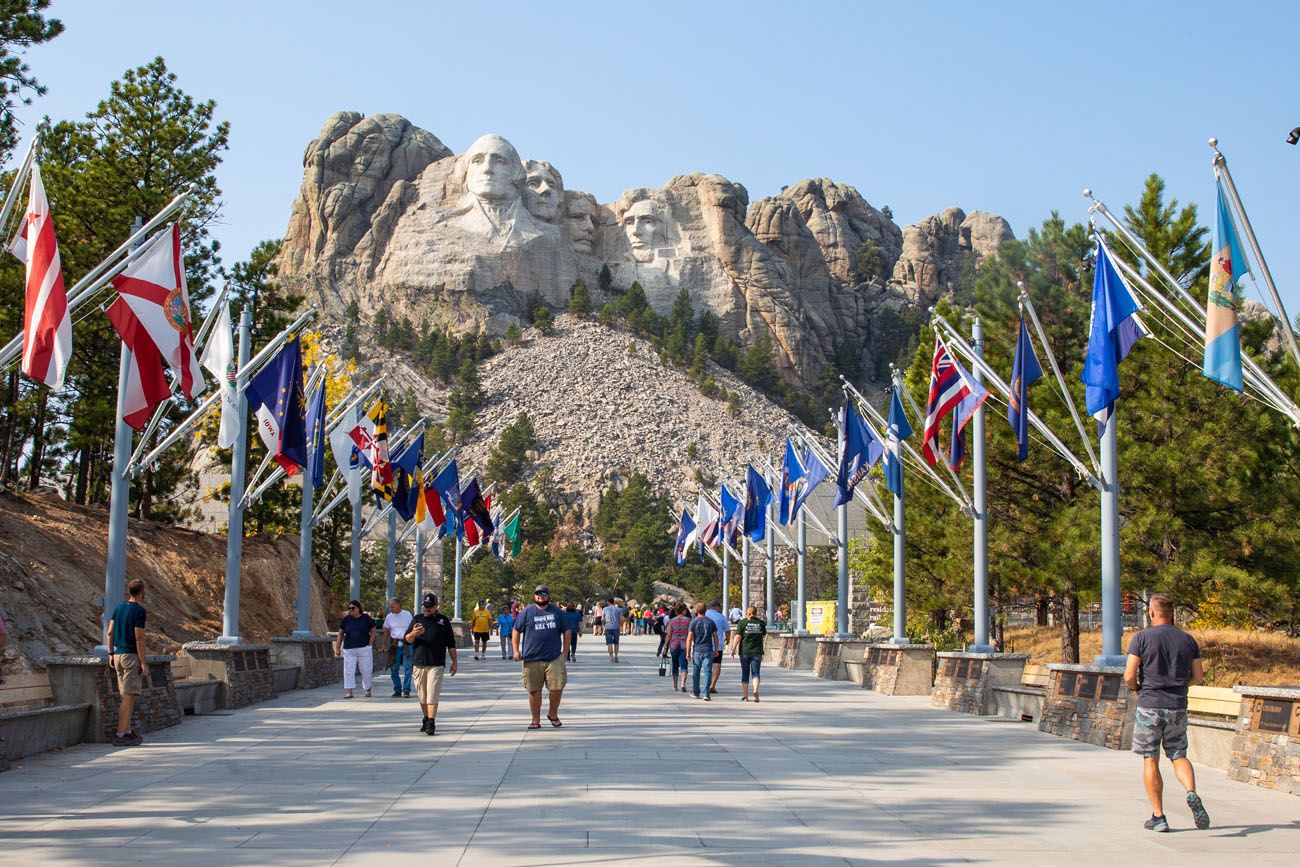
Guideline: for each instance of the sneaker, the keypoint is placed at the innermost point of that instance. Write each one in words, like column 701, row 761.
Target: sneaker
column 367, row 693
column 130, row 739
column 708, row 698
column 1157, row 823
column 431, row 728
column 695, row 695
column 406, row 695
column 397, row 695
column 1201, row 817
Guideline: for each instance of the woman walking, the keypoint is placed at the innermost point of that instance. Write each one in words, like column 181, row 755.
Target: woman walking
column 354, row 642
column 675, row 647
column 749, row 633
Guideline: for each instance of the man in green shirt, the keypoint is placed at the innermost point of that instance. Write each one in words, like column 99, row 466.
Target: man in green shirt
column 749, row 634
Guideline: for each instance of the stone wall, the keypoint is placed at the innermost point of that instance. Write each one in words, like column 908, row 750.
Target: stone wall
column 1266, row 743
column 831, row 653
column 313, row 656
column 1089, row 703
column 89, row 680
column 964, row 681
column 245, row 669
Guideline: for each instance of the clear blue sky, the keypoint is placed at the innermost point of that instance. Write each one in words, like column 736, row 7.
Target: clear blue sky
column 1005, row 107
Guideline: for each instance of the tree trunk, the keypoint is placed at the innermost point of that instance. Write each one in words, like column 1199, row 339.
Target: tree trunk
column 1069, row 623
column 1042, row 609
column 146, row 496
column 38, row 443
column 11, row 428
column 939, row 619
column 83, row 476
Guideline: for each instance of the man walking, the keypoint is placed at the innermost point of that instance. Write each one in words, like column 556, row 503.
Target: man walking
column 396, row 624
column 724, row 632
column 701, row 646
column 613, row 616
column 480, row 626
column 431, row 638
column 1162, row 662
column 541, row 641
column 128, row 658
column 505, row 625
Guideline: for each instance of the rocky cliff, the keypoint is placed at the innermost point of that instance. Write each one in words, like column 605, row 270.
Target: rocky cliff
column 389, row 217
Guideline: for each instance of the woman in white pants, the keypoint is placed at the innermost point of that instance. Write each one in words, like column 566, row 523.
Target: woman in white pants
column 354, row 641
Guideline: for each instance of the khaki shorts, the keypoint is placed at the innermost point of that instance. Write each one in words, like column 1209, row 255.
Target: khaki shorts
column 127, row 668
column 428, row 682
column 551, row 672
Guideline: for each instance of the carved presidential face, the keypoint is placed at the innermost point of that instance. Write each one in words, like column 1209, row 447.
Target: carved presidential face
column 493, row 172
column 580, row 221
column 543, row 190
column 644, row 228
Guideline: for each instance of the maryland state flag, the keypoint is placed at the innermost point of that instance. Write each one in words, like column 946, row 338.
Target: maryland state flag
column 372, row 444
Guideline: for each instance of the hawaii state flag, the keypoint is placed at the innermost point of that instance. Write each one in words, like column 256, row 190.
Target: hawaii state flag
column 1222, row 362
column 152, row 316
column 947, row 389
column 47, row 327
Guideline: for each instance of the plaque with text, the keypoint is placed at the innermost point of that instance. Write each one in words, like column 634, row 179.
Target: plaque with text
column 1276, row 716
column 1110, row 687
column 1067, row 683
column 1087, row 686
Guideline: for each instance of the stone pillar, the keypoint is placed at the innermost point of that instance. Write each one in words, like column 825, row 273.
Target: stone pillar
column 893, row 669
column 1089, row 703
column 245, row 669
column 312, row 655
column 1266, row 742
column 89, row 680
column 831, row 653
column 964, row 681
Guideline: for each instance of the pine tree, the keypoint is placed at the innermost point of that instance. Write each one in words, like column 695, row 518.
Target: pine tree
column 579, row 300
column 508, row 459
column 22, row 25
column 464, row 401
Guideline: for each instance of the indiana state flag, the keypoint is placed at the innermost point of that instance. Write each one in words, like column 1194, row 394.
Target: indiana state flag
column 897, row 431
column 792, row 473
column 276, row 395
column 1222, row 333
column 1113, row 333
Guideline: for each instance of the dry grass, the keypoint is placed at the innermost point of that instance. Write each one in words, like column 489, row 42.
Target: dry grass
column 1232, row 656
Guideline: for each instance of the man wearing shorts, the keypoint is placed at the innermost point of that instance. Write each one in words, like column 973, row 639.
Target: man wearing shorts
column 431, row 639
column 613, row 628
column 128, row 658
column 480, row 626
column 541, row 641
column 1162, row 662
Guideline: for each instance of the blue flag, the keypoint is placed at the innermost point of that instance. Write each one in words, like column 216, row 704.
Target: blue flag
column 975, row 396
column 1114, row 331
column 814, row 473
column 731, row 514
column 1222, row 361
column 473, row 506
column 859, row 451
column 406, row 494
column 275, row 393
column 758, row 496
column 1024, row 373
column 447, row 484
column 684, row 532
column 897, row 431
column 316, row 437
column 792, row 472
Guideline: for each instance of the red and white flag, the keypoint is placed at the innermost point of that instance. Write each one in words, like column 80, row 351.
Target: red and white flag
column 47, row 327
column 152, row 315
column 947, row 388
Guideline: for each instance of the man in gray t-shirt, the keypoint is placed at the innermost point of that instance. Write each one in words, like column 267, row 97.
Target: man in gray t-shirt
column 1163, row 661
column 613, row 616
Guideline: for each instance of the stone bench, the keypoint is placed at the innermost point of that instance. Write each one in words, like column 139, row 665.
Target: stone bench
column 27, row 731
column 200, row 696
column 1024, row 703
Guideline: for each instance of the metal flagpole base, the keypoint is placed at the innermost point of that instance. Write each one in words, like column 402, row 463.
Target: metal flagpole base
column 900, row 642
column 229, row 639
column 802, row 633
column 981, row 648
column 843, row 636
column 301, row 633
column 1112, row 661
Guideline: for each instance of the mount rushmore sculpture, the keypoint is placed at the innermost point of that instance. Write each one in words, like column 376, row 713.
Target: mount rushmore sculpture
column 389, row 217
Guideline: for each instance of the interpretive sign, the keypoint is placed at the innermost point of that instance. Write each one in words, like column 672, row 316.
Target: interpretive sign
column 1276, row 716
column 1089, row 685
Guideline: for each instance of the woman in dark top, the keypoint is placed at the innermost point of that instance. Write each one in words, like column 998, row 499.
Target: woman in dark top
column 355, row 638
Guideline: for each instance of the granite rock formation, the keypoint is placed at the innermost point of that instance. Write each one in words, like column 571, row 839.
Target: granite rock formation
column 388, row 216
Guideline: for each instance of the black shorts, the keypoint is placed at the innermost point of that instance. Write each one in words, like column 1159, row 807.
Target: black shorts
column 482, row 636
column 717, row 658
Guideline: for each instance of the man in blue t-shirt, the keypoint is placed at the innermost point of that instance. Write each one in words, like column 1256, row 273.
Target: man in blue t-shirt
column 505, row 626
column 541, row 641
column 128, row 658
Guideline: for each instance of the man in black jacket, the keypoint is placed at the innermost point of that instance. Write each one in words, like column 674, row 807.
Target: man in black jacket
column 431, row 638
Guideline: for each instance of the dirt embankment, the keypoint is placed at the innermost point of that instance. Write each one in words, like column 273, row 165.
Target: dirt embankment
column 52, row 557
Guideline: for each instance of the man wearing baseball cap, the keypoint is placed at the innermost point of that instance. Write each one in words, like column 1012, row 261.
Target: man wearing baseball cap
column 541, row 641
column 431, row 638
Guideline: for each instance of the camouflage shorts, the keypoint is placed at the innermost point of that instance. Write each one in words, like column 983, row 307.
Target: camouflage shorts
column 1157, row 726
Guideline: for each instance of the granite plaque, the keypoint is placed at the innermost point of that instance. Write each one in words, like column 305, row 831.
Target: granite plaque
column 1275, row 716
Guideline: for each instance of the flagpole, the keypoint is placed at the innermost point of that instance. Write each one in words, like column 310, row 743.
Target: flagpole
column 238, row 472
column 304, row 557
column 842, row 609
column 354, row 570
column 744, row 570
column 20, row 178
column 800, row 627
column 419, row 566
column 726, row 576
column 1221, row 163
column 390, row 567
column 769, row 591
column 456, row 608
column 119, row 498
column 981, row 514
column 1111, row 601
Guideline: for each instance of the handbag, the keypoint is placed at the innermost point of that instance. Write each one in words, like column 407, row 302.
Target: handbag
column 663, row 666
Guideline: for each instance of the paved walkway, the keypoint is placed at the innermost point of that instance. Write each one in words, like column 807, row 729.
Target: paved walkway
column 819, row 773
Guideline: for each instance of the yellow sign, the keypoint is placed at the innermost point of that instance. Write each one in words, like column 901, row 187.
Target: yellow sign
column 820, row 617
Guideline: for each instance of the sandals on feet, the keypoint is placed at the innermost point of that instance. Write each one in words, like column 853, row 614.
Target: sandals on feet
column 555, row 722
